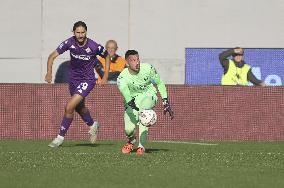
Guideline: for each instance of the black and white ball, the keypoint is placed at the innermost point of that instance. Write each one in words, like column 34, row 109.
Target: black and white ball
column 148, row 117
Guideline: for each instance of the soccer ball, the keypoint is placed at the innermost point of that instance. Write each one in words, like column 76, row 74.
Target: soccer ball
column 148, row 117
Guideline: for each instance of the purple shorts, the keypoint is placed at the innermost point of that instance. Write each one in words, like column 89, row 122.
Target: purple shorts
column 82, row 87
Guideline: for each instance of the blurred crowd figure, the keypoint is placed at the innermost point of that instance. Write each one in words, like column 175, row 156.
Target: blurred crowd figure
column 236, row 71
column 62, row 73
column 117, row 63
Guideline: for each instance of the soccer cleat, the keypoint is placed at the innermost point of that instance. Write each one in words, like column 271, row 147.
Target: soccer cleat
column 127, row 148
column 56, row 142
column 94, row 132
column 140, row 151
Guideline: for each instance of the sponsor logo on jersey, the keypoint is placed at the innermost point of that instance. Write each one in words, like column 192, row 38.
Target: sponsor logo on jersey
column 81, row 57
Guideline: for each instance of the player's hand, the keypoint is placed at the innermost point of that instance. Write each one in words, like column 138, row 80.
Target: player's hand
column 103, row 82
column 167, row 108
column 48, row 78
column 262, row 84
column 133, row 105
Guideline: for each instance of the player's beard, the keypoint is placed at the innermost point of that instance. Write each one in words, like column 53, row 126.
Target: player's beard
column 81, row 41
column 134, row 70
column 137, row 68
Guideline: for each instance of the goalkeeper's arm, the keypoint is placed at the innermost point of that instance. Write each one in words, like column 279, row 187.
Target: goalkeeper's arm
column 163, row 92
column 156, row 80
column 124, row 90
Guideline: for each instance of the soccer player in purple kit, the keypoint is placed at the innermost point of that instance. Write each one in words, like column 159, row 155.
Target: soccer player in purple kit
column 83, row 52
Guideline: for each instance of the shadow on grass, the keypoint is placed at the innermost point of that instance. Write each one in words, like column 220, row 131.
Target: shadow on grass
column 86, row 145
column 155, row 150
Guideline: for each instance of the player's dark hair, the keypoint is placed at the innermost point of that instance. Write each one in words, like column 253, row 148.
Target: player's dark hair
column 130, row 52
column 79, row 24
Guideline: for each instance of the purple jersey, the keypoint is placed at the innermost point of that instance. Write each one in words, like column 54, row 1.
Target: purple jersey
column 83, row 58
column 82, row 88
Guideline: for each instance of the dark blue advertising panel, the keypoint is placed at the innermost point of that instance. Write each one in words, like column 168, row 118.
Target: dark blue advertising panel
column 203, row 66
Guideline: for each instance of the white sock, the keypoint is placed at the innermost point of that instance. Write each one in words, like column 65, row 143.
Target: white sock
column 95, row 124
column 60, row 137
column 141, row 146
column 133, row 141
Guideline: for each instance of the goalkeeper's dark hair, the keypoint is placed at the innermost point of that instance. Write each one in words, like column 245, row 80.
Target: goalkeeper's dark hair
column 130, row 52
column 79, row 24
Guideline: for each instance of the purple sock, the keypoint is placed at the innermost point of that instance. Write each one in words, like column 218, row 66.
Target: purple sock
column 87, row 118
column 65, row 124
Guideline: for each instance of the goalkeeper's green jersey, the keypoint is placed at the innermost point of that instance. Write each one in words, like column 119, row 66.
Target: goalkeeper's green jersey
column 132, row 85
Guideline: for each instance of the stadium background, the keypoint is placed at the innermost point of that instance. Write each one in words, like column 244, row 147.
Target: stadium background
column 220, row 137
column 203, row 66
column 33, row 111
column 159, row 29
column 162, row 33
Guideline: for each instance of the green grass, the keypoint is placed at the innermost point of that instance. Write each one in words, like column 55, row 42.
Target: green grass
column 79, row 164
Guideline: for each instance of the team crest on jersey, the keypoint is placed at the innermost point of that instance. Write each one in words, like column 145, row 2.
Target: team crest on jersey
column 88, row 50
column 73, row 47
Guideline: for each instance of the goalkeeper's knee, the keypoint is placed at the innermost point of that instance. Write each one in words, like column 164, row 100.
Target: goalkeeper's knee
column 147, row 102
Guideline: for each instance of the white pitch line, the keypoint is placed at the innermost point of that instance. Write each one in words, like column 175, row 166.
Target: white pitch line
column 179, row 142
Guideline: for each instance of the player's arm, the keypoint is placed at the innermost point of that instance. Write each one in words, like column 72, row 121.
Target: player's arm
column 99, row 68
column 106, row 71
column 124, row 90
column 156, row 79
column 51, row 58
column 63, row 47
column 223, row 58
column 104, row 54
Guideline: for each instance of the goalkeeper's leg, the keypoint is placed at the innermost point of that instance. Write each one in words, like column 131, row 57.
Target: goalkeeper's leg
column 130, row 121
column 147, row 101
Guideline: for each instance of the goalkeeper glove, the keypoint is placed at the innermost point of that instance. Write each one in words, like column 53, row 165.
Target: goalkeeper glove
column 167, row 108
column 133, row 105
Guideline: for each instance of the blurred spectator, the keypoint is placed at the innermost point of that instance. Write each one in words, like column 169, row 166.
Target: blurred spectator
column 62, row 73
column 236, row 71
column 117, row 63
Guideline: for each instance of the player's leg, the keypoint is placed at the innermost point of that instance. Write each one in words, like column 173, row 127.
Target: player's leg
column 130, row 121
column 83, row 89
column 146, row 101
column 84, row 112
column 78, row 91
column 67, row 119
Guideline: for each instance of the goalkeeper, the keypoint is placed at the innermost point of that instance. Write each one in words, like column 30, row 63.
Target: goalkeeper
column 136, row 84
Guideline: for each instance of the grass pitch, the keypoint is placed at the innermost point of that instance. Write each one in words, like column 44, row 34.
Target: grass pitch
column 185, row 164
